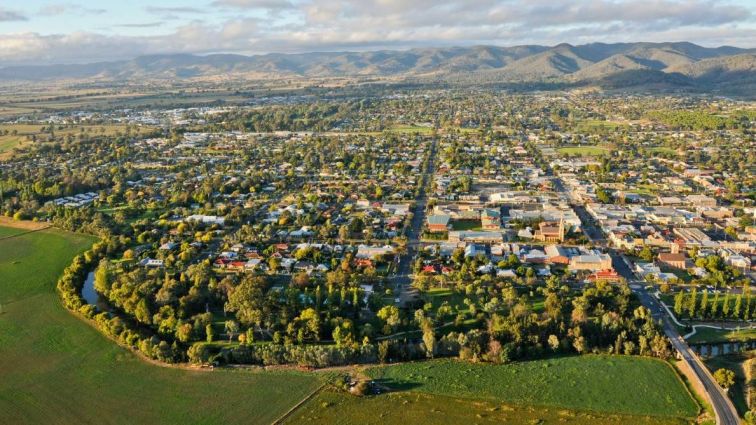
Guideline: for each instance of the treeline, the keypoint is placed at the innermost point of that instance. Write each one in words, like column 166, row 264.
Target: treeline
column 705, row 306
column 124, row 331
column 699, row 120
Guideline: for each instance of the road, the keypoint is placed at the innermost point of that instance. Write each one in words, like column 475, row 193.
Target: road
column 402, row 278
column 723, row 407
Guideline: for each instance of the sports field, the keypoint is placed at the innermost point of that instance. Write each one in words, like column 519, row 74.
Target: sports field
column 56, row 369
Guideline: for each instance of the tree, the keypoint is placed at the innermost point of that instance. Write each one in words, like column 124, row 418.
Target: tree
column 231, row 328
column 704, row 304
column 248, row 301
column 679, row 302
column 692, row 303
column 646, row 254
column 209, row 332
column 102, row 278
column 142, row 312
column 389, row 314
column 725, row 378
column 198, row 353
column 383, row 350
column 311, row 319
column 554, row 342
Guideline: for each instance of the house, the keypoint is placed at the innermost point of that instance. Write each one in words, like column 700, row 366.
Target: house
column 369, row 252
column 438, row 222
column 675, row 260
column 149, row 262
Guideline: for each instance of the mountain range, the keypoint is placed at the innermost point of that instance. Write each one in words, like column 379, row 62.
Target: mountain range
column 613, row 65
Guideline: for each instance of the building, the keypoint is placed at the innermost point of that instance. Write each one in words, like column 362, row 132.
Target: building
column 675, row 260
column 490, row 219
column 438, row 222
column 550, row 231
column 591, row 262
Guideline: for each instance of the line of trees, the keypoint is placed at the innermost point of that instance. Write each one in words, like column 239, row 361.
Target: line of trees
column 717, row 306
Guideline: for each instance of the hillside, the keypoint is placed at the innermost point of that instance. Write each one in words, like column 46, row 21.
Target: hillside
column 683, row 64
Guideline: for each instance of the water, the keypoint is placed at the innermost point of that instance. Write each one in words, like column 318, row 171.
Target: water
column 88, row 291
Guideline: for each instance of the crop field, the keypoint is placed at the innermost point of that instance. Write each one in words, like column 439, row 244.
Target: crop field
column 602, row 384
column 584, row 150
column 59, row 370
column 415, row 408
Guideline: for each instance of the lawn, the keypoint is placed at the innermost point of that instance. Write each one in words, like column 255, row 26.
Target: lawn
column 602, row 384
column 584, row 150
column 331, row 407
column 59, row 370
column 708, row 335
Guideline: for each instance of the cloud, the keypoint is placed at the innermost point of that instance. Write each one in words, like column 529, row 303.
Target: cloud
column 10, row 16
column 307, row 25
column 177, row 10
column 255, row 4
column 56, row 9
column 141, row 25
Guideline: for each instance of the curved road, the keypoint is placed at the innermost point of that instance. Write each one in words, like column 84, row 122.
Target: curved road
column 723, row 408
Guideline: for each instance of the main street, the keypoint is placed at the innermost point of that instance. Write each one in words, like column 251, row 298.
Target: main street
column 402, row 278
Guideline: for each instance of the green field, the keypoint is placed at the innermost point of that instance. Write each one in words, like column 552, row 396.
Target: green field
column 734, row 362
column 599, row 126
column 59, row 370
column 703, row 335
column 584, row 151
column 409, row 408
column 602, row 384
column 411, row 129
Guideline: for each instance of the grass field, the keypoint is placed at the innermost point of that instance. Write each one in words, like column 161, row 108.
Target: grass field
column 584, row 151
column 408, row 408
column 735, row 363
column 59, row 370
column 602, row 384
column 24, row 131
column 707, row 335
column 593, row 126
column 411, row 129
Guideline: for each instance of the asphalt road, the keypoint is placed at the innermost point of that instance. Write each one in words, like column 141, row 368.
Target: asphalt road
column 402, row 279
column 723, row 407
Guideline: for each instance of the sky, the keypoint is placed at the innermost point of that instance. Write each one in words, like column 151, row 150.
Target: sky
column 44, row 32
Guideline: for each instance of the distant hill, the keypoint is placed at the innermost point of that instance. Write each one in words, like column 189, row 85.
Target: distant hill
column 616, row 65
